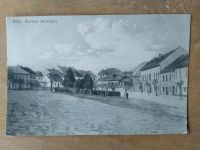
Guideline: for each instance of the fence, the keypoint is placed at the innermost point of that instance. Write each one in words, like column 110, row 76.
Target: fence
column 88, row 92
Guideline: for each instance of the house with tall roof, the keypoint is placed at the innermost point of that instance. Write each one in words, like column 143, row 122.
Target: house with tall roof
column 40, row 78
column 150, row 73
column 54, row 77
column 64, row 69
column 18, row 78
column 175, row 77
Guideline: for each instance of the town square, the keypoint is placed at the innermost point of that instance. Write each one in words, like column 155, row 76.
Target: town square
column 98, row 75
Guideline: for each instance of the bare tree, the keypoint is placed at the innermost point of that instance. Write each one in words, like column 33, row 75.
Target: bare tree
column 113, row 86
column 141, row 87
column 148, row 86
column 179, row 84
column 155, row 83
column 50, row 76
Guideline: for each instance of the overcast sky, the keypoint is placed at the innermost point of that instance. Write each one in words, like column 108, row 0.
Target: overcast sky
column 94, row 42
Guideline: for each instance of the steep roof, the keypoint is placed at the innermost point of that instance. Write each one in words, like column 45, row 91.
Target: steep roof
column 54, row 71
column 180, row 62
column 109, row 71
column 28, row 70
column 156, row 60
column 56, row 75
column 65, row 69
column 17, row 70
column 38, row 73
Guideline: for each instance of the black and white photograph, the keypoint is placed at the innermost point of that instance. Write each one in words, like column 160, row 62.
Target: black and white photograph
column 97, row 74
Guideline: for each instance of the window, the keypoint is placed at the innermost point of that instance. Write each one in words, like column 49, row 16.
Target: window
column 163, row 78
column 170, row 77
column 163, row 89
column 149, row 77
column 166, row 78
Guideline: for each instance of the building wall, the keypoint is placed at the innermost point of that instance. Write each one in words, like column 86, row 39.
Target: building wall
column 136, row 83
column 168, row 86
column 181, row 74
column 148, row 76
column 19, row 81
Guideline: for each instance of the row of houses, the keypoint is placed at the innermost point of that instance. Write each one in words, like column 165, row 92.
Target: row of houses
column 20, row 77
column 164, row 74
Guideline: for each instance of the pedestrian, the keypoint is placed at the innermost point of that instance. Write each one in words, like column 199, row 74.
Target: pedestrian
column 126, row 95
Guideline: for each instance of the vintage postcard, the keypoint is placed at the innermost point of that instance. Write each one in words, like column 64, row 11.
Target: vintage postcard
column 97, row 74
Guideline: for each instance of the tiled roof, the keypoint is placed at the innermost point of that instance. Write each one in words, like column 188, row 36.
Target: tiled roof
column 17, row 70
column 156, row 60
column 28, row 70
column 109, row 71
column 180, row 62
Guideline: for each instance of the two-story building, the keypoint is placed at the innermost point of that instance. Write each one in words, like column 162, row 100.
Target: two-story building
column 151, row 73
column 107, row 76
column 53, row 78
column 175, row 77
column 33, row 81
column 18, row 78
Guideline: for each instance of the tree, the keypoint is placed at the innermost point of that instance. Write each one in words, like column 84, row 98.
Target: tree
column 113, row 86
column 87, row 82
column 78, row 84
column 128, row 84
column 50, row 76
column 141, row 87
column 69, row 78
column 148, row 86
column 179, row 84
column 155, row 83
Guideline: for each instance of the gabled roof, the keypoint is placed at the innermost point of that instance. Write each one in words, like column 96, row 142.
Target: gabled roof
column 109, row 71
column 28, row 70
column 55, row 74
column 136, row 71
column 65, row 69
column 156, row 60
column 17, row 70
column 54, row 71
column 39, row 73
column 180, row 62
